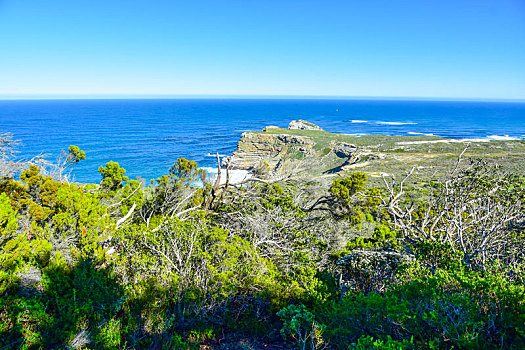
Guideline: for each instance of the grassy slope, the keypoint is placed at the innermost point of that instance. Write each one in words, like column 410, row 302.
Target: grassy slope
column 399, row 157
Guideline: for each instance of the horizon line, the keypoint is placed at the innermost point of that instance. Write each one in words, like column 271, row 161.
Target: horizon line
column 239, row 96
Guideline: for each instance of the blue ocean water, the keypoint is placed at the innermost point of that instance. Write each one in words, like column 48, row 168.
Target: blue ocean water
column 147, row 136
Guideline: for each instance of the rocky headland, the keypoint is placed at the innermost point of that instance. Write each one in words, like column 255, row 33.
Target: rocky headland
column 307, row 149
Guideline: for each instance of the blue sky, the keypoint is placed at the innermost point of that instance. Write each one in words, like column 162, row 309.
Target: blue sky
column 420, row 48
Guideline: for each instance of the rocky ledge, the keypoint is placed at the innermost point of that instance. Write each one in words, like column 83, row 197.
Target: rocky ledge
column 256, row 147
column 306, row 149
column 303, row 125
column 269, row 149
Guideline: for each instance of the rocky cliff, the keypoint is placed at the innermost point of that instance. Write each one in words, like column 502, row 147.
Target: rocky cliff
column 306, row 149
column 274, row 146
column 256, row 147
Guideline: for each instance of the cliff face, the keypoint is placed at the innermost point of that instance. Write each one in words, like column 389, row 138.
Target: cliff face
column 254, row 147
column 274, row 147
column 306, row 149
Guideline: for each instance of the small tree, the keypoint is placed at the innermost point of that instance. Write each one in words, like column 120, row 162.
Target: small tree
column 112, row 176
column 299, row 323
column 66, row 159
column 185, row 170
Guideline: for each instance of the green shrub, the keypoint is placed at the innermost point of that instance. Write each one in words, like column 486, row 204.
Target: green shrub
column 300, row 324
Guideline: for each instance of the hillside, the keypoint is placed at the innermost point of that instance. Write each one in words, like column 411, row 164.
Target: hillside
column 314, row 251
column 316, row 153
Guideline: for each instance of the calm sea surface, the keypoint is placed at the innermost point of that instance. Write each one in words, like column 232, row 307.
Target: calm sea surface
column 147, row 136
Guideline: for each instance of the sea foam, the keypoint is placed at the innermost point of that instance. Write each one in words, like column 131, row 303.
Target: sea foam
column 502, row 138
column 396, row 123
column 235, row 175
column 420, row 133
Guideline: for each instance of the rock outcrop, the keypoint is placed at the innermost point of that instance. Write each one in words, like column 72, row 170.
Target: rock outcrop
column 276, row 150
column 303, row 125
column 254, row 147
column 344, row 150
column 354, row 156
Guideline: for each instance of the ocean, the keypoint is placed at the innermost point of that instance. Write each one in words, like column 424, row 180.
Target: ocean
column 147, row 136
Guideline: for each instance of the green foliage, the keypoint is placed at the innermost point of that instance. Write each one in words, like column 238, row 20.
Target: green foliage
column 75, row 154
column 300, row 324
column 71, row 299
column 112, row 176
column 65, row 214
column 369, row 343
column 350, row 199
column 347, row 187
column 18, row 254
column 186, row 171
column 275, row 196
column 255, row 263
column 383, row 237
column 14, row 190
column 131, row 193
column 22, row 321
column 8, row 220
column 196, row 262
column 460, row 308
column 110, row 334
column 78, row 297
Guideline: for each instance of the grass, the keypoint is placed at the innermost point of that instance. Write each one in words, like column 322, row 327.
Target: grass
column 400, row 158
column 324, row 138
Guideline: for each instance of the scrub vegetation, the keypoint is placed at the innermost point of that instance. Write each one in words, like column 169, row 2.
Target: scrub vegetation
column 187, row 262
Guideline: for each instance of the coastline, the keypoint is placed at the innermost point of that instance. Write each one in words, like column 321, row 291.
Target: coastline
column 147, row 136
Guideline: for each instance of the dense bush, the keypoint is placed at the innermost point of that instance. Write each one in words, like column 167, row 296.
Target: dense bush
column 185, row 262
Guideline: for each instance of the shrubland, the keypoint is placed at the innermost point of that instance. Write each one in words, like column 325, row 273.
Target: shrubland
column 187, row 263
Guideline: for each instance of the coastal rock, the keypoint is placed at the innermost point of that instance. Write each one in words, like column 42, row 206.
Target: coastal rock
column 361, row 159
column 303, row 125
column 344, row 150
column 278, row 151
column 254, row 147
column 354, row 156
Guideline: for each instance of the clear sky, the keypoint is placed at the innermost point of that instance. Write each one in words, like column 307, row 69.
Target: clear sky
column 419, row 48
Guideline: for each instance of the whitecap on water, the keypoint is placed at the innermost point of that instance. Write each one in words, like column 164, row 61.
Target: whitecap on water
column 235, row 175
column 396, row 123
column 502, row 138
column 420, row 133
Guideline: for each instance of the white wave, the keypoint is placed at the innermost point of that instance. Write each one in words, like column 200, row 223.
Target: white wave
column 441, row 141
column 502, row 138
column 396, row 123
column 359, row 134
column 358, row 121
column 235, row 175
column 420, row 133
column 214, row 155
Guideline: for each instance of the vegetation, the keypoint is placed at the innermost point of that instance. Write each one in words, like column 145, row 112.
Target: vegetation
column 186, row 263
column 399, row 154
